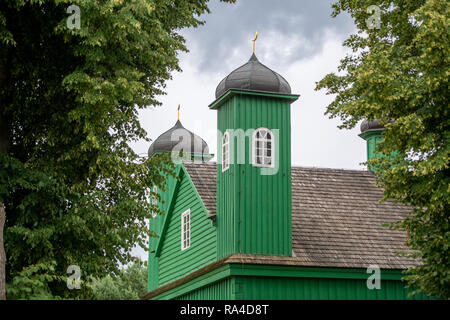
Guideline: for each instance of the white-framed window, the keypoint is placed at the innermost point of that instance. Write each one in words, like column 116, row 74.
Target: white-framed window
column 263, row 148
column 225, row 151
column 186, row 229
column 154, row 200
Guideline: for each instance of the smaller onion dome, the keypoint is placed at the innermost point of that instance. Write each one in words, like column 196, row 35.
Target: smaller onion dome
column 183, row 139
column 371, row 125
column 254, row 76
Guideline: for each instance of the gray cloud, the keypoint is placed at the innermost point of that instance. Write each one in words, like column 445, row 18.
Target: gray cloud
column 229, row 29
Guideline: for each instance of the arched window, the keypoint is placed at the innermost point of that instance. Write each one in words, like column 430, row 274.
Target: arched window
column 154, row 200
column 263, row 148
column 225, row 151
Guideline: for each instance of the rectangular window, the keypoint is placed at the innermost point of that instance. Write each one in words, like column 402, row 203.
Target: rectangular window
column 225, row 152
column 186, row 229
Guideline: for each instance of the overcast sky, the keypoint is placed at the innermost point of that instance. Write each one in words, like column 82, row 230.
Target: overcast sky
column 297, row 39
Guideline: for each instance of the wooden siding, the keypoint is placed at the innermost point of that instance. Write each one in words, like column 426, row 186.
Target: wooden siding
column 174, row 263
column 372, row 138
column 221, row 290
column 253, row 209
column 156, row 225
column 271, row 288
column 251, row 282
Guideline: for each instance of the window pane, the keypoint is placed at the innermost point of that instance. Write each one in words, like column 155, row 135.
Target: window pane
column 263, row 133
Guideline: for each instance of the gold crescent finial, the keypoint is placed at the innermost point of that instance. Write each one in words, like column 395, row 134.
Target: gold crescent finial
column 178, row 111
column 254, row 40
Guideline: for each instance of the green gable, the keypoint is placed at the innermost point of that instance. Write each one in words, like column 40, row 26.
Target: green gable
column 167, row 261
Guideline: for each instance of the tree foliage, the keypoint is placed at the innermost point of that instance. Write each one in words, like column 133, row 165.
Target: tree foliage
column 399, row 73
column 75, row 192
column 32, row 283
column 129, row 284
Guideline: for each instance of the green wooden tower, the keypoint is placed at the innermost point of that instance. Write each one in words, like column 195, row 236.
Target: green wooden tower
column 254, row 182
column 371, row 131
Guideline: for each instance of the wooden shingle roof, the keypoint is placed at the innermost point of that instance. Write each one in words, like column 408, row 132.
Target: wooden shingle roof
column 336, row 219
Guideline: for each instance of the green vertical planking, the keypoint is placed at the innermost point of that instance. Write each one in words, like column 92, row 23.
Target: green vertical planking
column 225, row 187
column 254, row 210
column 372, row 138
column 175, row 263
column 291, row 288
column 221, row 290
column 286, row 288
column 156, row 226
column 263, row 282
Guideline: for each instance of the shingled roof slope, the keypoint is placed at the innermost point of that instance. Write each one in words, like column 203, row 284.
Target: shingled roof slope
column 203, row 175
column 336, row 218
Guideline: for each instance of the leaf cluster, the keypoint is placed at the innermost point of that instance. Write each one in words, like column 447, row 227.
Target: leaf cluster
column 399, row 74
column 75, row 192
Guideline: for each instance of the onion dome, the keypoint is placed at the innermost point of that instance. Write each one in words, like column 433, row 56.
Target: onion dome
column 254, row 76
column 371, row 126
column 183, row 139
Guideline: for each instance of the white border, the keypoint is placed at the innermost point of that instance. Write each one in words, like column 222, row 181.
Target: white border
column 186, row 213
column 272, row 153
column 226, row 134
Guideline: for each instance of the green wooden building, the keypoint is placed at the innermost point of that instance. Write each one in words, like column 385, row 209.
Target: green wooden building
column 251, row 226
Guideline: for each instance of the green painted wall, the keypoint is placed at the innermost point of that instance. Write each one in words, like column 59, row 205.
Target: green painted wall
column 253, row 209
column 261, row 282
column 207, row 286
column 174, row 263
column 156, row 225
column 270, row 288
column 372, row 138
column 220, row 290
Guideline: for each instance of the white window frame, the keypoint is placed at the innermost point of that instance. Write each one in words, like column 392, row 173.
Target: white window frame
column 186, row 229
column 263, row 140
column 225, row 152
column 154, row 200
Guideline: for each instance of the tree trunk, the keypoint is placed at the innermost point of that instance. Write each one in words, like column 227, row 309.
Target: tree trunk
column 4, row 144
column 2, row 255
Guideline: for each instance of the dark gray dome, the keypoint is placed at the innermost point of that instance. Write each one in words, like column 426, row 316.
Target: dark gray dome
column 253, row 76
column 179, row 136
column 371, row 125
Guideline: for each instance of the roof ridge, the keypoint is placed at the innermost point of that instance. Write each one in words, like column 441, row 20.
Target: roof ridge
column 294, row 166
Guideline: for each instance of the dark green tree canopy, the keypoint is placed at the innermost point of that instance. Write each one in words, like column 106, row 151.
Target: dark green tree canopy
column 75, row 192
column 399, row 74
